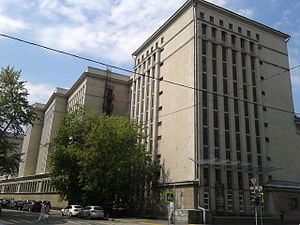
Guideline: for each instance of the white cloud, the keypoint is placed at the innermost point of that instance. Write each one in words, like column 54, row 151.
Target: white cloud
column 221, row 3
column 10, row 25
column 246, row 12
column 39, row 93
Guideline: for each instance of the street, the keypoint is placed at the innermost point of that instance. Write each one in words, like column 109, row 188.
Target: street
column 9, row 217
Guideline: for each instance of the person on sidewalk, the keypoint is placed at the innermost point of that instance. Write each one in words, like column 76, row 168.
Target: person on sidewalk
column 47, row 212
column 281, row 214
column 42, row 215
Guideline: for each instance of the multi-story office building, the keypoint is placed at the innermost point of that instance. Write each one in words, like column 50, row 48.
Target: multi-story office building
column 214, row 89
column 96, row 89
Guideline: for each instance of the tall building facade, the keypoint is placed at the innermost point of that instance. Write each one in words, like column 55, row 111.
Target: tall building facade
column 214, row 90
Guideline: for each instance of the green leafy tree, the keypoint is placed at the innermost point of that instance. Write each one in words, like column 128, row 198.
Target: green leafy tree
column 15, row 113
column 96, row 158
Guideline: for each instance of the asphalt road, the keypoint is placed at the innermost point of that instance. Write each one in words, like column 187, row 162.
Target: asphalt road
column 9, row 217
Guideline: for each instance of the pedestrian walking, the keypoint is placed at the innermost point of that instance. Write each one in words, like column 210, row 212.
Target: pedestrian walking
column 281, row 214
column 42, row 215
column 47, row 212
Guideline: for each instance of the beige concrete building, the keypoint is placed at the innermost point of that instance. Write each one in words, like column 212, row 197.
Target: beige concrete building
column 215, row 114
column 97, row 89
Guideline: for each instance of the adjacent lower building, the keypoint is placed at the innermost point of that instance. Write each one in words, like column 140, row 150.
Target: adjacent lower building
column 214, row 91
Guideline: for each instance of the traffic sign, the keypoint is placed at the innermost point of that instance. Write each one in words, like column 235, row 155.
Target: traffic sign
column 169, row 197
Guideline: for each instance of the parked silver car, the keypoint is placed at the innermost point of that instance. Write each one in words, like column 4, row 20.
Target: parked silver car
column 92, row 212
column 71, row 210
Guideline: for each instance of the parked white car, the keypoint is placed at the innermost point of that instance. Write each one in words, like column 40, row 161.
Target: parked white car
column 71, row 210
column 91, row 212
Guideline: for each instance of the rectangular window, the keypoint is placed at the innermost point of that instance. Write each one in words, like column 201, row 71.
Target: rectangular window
column 248, row 143
column 205, row 118
column 201, row 15
column 204, row 99
column 235, row 89
column 233, row 40
column 236, row 106
column 230, row 26
column 229, row 179
column 237, row 123
column 218, row 176
column 227, row 139
column 215, row 101
column 234, row 75
column 204, row 47
column 204, row 64
column 224, row 54
column 204, row 27
column 240, row 180
column 216, row 137
column 258, row 147
column 247, row 125
column 255, row 111
column 221, row 23
column 252, row 63
column 246, row 111
column 205, row 152
column 225, row 87
column 224, row 69
column 217, row 153
column 257, row 37
column 223, row 35
column 257, row 127
column 214, row 66
column 233, row 57
column 243, row 60
column 214, row 51
column 225, row 103
column 294, row 204
column 245, row 91
column 253, row 78
column 211, row 19
column 238, row 141
column 204, row 81
column 239, row 29
column 254, row 94
column 213, row 32
column 251, row 46
column 226, row 120
column 239, row 156
column 244, row 76
column 242, row 43
column 215, row 85
column 205, row 136
column 248, row 33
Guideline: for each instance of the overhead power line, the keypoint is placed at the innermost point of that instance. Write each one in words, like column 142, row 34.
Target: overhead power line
column 166, row 81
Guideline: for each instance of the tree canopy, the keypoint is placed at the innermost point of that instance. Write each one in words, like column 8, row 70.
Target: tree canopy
column 96, row 158
column 15, row 113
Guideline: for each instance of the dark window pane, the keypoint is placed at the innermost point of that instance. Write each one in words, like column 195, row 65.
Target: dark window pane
column 204, row 47
column 226, row 104
column 205, row 136
column 227, row 139
column 204, row 99
column 248, row 143
column 236, row 106
column 215, row 85
column 238, row 141
column 225, row 88
column 204, row 81
column 205, row 117
column 216, row 138
column 226, row 120
column 224, row 69
column 216, row 120
column 215, row 101
column 224, row 54
column 237, row 123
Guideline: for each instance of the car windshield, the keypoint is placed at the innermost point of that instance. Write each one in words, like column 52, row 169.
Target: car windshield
column 77, row 207
column 97, row 208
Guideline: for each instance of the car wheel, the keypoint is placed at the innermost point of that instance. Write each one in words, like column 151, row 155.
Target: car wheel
column 61, row 213
column 70, row 214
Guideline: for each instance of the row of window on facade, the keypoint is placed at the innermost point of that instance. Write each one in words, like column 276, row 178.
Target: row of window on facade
column 43, row 186
column 230, row 26
column 77, row 99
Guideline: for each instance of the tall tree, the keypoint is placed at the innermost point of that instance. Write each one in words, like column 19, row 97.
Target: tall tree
column 99, row 158
column 15, row 113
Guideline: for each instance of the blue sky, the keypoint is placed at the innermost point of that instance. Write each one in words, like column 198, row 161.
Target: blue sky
column 109, row 31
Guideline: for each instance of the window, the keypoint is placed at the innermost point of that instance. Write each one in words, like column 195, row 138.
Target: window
column 251, row 46
column 235, row 89
column 201, row 15
column 213, row 32
column 216, row 137
column 248, row 33
column 245, row 91
column 205, row 119
column 224, row 54
column 234, row 75
column 246, row 110
column 267, row 139
column 229, row 180
column 205, row 152
column 204, row 64
column 214, row 67
column 266, row 124
column 226, row 119
column 225, row 103
column 242, row 43
column 227, row 139
column 216, row 121
column 215, row 85
column 237, row 123
column 248, row 143
column 224, row 69
column 221, row 23
column 243, row 60
column 257, row 127
column 252, row 63
column 225, row 87
column 233, row 40
column 247, row 125
column 161, row 92
column 258, row 147
column 238, row 141
column 204, row 81
column 214, row 51
column 236, row 106
column 263, row 93
column 257, row 37
column 223, row 36
column 204, row 47
column 215, row 101
column 162, row 40
column 204, row 99
column 239, row 29
column 159, row 137
column 204, row 26
column 205, row 136
column 233, row 57
column 211, row 19
column 230, row 26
